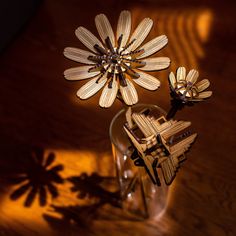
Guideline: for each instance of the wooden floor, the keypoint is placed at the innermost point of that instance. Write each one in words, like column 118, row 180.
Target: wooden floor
column 41, row 119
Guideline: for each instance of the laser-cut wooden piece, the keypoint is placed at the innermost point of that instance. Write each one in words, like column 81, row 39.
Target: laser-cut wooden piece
column 162, row 145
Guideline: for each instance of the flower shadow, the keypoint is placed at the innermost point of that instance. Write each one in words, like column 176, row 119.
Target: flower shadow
column 79, row 217
column 39, row 177
column 91, row 187
column 72, row 218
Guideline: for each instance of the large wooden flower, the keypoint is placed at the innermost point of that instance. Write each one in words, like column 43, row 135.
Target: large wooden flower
column 117, row 61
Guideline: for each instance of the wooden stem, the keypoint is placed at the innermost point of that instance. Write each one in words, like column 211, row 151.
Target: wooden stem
column 175, row 106
column 119, row 97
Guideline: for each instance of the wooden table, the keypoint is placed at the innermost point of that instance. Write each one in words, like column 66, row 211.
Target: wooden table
column 41, row 114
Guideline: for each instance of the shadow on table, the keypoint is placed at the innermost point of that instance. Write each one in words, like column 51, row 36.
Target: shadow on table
column 90, row 186
column 80, row 217
column 73, row 218
column 38, row 177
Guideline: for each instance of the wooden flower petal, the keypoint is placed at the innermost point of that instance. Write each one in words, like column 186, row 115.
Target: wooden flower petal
column 129, row 93
column 87, row 38
column 172, row 80
column 141, row 32
column 153, row 46
column 205, row 94
column 203, row 84
column 155, row 63
column 104, row 28
column 181, row 73
column 90, row 88
column 78, row 55
column 124, row 27
column 108, row 95
column 147, row 81
column 79, row 73
column 192, row 76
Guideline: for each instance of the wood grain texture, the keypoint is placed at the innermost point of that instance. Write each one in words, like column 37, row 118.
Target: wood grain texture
column 38, row 108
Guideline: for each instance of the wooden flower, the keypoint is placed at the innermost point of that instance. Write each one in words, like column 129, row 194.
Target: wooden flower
column 117, row 61
column 186, row 88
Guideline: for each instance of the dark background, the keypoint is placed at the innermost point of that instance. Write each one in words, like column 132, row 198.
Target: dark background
column 39, row 111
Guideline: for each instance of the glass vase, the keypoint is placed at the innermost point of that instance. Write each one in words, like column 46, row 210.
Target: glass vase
column 139, row 196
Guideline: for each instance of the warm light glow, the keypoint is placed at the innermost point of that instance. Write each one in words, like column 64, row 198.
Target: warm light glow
column 204, row 23
column 187, row 29
column 14, row 214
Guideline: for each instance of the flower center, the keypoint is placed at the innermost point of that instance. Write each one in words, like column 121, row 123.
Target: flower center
column 186, row 89
column 116, row 60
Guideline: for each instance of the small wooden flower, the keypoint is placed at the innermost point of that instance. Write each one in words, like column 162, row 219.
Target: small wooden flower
column 186, row 89
column 117, row 61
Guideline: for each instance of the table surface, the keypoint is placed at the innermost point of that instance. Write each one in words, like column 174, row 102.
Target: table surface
column 41, row 117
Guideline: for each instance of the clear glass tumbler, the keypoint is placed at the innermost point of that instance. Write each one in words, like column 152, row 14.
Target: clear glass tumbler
column 140, row 197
